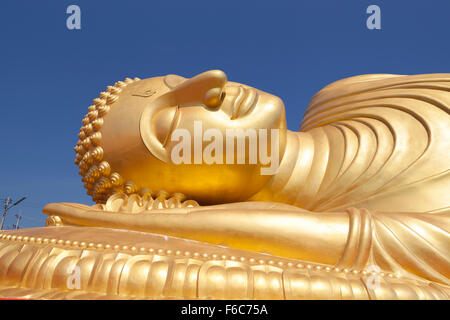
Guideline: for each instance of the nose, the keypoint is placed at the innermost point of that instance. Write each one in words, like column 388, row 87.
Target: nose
column 205, row 88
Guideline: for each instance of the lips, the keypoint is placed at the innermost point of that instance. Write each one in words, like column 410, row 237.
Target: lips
column 244, row 102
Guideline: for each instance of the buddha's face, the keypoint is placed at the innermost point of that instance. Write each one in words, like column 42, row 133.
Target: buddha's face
column 173, row 105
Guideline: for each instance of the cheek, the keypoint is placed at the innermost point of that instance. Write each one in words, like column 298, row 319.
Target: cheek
column 199, row 118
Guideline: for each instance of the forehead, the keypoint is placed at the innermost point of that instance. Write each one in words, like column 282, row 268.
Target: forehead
column 146, row 89
column 173, row 80
column 151, row 88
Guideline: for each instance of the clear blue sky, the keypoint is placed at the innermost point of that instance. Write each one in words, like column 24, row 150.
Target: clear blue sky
column 49, row 74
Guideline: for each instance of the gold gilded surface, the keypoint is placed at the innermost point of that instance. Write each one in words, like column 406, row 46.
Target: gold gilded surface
column 139, row 265
column 358, row 208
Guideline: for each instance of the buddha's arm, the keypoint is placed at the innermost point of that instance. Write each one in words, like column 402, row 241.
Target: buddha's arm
column 257, row 226
column 354, row 239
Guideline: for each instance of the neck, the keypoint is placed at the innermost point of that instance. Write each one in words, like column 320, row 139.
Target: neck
column 301, row 172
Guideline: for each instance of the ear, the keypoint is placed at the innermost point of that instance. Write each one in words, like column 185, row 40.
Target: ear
column 148, row 129
column 205, row 88
column 173, row 80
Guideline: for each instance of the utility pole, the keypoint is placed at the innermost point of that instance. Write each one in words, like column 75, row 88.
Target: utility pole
column 16, row 226
column 7, row 202
column 7, row 207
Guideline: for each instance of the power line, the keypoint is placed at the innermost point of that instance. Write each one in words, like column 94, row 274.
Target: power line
column 7, row 207
column 34, row 219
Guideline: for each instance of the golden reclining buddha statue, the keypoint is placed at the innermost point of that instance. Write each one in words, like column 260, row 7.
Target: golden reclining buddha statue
column 353, row 206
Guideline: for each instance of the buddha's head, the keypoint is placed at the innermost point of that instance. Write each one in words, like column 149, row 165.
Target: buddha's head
column 134, row 129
